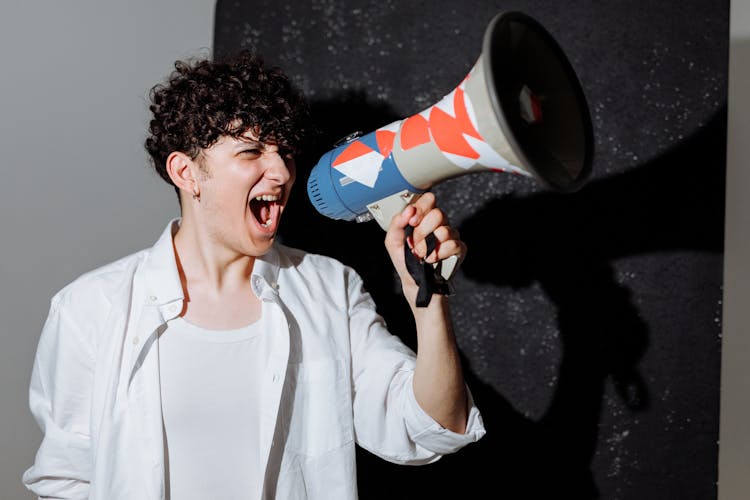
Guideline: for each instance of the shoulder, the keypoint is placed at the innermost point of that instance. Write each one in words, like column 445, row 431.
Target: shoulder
column 318, row 278
column 309, row 264
column 100, row 286
column 79, row 311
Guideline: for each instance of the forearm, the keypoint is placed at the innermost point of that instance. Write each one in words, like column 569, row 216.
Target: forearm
column 438, row 378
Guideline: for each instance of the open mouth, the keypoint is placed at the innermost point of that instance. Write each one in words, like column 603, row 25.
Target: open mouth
column 265, row 208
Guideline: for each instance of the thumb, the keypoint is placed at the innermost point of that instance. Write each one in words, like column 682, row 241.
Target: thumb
column 394, row 238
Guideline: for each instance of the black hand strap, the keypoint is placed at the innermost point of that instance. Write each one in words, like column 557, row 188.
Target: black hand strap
column 427, row 276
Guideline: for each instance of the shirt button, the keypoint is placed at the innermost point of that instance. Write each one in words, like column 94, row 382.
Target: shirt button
column 135, row 340
column 173, row 308
column 275, row 285
column 152, row 298
column 275, row 377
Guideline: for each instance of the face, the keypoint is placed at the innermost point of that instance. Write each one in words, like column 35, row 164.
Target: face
column 244, row 186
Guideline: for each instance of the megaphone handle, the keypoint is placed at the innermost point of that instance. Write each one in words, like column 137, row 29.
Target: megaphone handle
column 427, row 277
column 384, row 209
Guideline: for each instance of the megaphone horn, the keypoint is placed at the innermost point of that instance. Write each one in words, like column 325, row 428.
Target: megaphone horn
column 519, row 110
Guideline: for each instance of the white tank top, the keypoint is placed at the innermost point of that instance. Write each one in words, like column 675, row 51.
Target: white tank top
column 210, row 387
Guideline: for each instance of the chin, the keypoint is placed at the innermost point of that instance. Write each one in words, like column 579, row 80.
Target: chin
column 258, row 247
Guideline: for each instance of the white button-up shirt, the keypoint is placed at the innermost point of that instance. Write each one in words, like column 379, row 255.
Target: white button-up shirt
column 334, row 376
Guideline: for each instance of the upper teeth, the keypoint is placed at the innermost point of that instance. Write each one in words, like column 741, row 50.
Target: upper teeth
column 267, row 197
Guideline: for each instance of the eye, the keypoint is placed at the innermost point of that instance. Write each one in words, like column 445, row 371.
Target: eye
column 287, row 154
column 251, row 153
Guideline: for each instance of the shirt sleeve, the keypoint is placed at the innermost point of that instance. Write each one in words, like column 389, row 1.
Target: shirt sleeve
column 388, row 421
column 60, row 401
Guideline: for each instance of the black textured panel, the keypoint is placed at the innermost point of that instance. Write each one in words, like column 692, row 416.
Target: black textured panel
column 589, row 322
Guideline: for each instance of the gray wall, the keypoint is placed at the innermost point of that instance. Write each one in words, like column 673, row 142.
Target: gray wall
column 75, row 190
column 734, row 438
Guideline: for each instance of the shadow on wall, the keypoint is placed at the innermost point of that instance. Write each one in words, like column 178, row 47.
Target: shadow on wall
column 566, row 244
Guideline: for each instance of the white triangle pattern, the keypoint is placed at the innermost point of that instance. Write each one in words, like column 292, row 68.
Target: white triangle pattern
column 363, row 169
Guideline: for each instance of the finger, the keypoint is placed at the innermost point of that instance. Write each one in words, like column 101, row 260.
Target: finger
column 447, row 249
column 443, row 235
column 430, row 222
column 422, row 205
column 394, row 237
column 401, row 219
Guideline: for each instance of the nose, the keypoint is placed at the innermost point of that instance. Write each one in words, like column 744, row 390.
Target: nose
column 278, row 169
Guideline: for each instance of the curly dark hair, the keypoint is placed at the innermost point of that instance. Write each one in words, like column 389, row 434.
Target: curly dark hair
column 203, row 100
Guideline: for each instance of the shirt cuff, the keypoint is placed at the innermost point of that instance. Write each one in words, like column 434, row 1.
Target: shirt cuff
column 427, row 432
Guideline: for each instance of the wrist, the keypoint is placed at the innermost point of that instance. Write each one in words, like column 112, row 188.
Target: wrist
column 436, row 310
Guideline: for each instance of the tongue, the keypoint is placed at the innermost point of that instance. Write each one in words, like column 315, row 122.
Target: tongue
column 265, row 213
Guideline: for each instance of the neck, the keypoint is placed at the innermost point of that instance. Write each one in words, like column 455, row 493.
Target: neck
column 203, row 261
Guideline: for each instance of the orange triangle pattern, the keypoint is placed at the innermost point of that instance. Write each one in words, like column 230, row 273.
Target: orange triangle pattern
column 352, row 151
column 414, row 132
column 385, row 140
column 448, row 131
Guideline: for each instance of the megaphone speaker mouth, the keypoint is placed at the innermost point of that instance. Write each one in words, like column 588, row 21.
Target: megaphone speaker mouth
column 538, row 101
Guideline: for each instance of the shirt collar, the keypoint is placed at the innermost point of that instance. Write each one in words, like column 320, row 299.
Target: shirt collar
column 163, row 285
column 162, row 278
column 266, row 273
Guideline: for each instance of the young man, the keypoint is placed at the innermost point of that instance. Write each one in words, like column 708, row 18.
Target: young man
column 220, row 365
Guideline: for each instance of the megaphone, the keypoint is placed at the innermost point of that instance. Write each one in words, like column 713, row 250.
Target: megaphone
column 520, row 110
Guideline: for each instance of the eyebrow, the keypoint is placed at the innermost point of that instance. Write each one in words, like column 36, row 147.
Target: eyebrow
column 245, row 142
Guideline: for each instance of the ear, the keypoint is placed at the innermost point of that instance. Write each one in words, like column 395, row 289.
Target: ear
column 183, row 172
